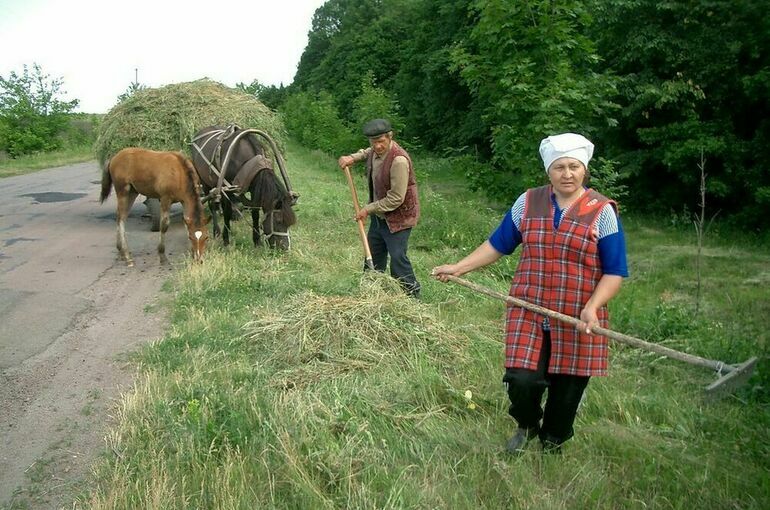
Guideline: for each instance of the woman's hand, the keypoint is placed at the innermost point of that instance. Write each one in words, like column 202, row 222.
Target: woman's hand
column 441, row 272
column 588, row 319
column 483, row 255
column 608, row 286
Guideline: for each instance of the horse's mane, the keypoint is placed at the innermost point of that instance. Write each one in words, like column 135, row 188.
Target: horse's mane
column 266, row 189
column 192, row 185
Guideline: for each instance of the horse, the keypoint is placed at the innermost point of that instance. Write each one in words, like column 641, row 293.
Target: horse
column 248, row 166
column 168, row 176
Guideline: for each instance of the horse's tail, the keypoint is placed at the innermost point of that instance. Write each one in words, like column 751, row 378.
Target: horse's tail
column 106, row 182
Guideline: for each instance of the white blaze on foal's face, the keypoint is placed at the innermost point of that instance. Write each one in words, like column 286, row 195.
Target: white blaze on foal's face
column 199, row 243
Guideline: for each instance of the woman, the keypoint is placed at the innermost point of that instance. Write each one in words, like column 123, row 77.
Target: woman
column 573, row 261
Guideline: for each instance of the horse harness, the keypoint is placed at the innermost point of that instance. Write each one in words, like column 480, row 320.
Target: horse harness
column 245, row 176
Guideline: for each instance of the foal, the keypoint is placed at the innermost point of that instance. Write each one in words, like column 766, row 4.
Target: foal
column 168, row 176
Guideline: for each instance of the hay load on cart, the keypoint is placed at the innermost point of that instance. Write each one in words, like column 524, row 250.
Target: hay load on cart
column 167, row 118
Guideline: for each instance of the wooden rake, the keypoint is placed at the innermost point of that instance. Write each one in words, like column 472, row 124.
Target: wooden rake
column 729, row 376
column 361, row 231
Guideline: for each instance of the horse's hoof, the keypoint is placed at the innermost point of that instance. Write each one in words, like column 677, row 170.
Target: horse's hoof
column 129, row 263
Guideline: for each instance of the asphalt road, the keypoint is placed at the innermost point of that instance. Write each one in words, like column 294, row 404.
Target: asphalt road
column 68, row 311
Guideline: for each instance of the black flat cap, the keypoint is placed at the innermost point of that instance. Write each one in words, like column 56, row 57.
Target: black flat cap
column 376, row 127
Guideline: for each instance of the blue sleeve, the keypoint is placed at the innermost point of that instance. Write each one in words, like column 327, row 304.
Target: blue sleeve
column 507, row 237
column 612, row 253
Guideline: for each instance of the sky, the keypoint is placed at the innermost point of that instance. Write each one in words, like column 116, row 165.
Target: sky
column 98, row 47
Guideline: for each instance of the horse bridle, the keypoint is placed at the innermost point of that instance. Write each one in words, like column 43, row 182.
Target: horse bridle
column 272, row 233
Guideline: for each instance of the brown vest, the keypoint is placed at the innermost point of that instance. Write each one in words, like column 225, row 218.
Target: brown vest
column 405, row 215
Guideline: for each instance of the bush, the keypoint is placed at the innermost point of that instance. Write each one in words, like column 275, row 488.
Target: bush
column 31, row 115
column 375, row 103
column 314, row 121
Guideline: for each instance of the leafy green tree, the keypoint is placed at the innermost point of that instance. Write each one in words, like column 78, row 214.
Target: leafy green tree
column 31, row 114
column 349, row 39
column 375, row 102
column 651, row 83
column 435, row 101
column 270, row 95
column 694, row 77
column 313, row 120
column 532, row 72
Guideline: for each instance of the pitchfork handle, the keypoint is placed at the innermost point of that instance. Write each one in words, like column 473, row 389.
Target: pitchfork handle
column 620, row 337
column 361, row 231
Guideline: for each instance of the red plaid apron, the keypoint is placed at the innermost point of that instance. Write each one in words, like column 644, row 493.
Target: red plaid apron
column 559, row 269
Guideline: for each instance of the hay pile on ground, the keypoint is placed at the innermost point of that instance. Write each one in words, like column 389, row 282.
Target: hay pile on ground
column 166, row 118
column 312, row 337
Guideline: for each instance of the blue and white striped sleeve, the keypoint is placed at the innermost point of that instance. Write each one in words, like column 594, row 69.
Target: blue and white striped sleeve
column 611, row 243
column 507, row 236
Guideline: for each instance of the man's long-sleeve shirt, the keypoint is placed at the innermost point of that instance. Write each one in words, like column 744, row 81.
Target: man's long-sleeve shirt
column 399, row 178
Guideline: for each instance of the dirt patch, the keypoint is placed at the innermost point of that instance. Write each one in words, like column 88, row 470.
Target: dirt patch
column 70, row 314
column 55, row 406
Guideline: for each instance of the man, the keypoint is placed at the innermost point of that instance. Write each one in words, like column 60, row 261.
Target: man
column 393, row 203
column 573, row 261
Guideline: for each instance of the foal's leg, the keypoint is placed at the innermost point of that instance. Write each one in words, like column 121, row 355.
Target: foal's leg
column 165, row 205
column 125, row 199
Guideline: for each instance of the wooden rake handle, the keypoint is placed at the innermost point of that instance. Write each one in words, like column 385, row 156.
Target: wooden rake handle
column 719, row 366
column 361, row 230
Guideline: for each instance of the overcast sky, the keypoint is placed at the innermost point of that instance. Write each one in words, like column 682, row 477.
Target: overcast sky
column 95, row 46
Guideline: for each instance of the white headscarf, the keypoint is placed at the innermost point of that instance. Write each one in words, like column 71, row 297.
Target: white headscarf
column 566, row 145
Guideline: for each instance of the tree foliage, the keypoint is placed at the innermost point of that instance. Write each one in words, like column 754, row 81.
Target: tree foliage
column 32, row 115
column 269, row 95
column 651, row 83
column 532, row 73
column 314, row 121
column 694, row 79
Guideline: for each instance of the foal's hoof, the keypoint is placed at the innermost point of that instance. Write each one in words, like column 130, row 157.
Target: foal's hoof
column 129, row 263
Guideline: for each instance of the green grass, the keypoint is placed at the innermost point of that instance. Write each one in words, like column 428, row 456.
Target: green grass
column 43, row 160
column 292, row 381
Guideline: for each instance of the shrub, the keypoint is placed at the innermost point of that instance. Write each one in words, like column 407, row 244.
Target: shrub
column 314, row 121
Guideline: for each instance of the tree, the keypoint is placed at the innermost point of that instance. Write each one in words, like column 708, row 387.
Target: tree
column 532, row 72
column 693, row 77
column 271, row 96
column 31, row 114
column 374, row 102
column 132, row 89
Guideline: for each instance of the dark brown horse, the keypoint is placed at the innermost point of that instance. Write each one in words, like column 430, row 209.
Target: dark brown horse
column 261, row 191
column 168, row 176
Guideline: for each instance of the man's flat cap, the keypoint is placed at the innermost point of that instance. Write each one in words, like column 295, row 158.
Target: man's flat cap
column 376, row 127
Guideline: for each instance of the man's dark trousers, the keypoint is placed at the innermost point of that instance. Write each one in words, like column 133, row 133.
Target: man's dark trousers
column 383, row 243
